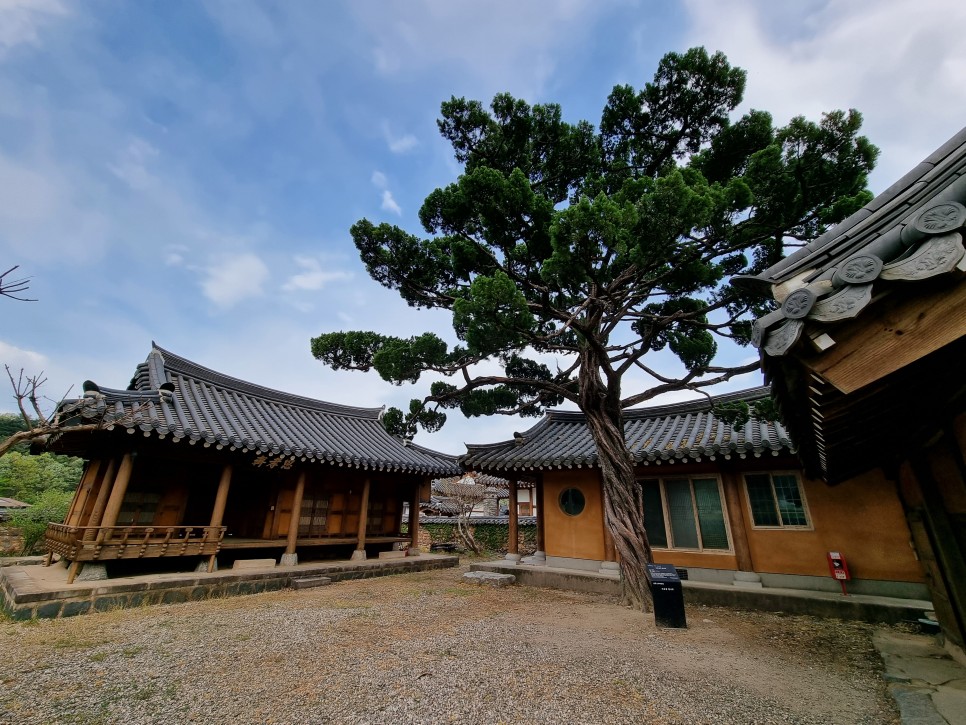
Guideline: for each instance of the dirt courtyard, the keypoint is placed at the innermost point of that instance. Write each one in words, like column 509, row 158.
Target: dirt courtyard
column 429, row 648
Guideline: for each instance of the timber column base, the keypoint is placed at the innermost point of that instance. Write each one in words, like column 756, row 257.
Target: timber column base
column 539, row 558
column 289, row 560
column 91, row 571
column 358, row 555
column 747, row 580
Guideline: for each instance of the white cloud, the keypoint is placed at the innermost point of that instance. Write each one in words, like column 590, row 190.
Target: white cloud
column 379, row 180
column 17, row 358
column 22, row 20
column 314, row 277
column 235, row 278
column 512, row 49
column 398, row 144
column 132, row 165
column 389, row 204
column 873, row 55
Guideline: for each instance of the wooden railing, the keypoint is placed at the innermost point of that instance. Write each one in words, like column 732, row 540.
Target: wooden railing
column 98, row 543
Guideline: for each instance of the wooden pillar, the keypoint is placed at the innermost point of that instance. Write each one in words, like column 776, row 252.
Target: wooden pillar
column 87, row 483
column 218, row 512
column 118, row 490
column 414, row 520
column 97, row 512
column 513, row 538
column 290, row 557
column 949, row 555
column 540, row 497
column 736, row 517
column 360, row 552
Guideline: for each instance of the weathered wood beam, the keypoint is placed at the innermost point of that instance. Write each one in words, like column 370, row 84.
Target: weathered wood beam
column 218, row 512
column 293, row 523
column 513, row 541
column 414, row 517
column 116, row 499
column 360, row 552
column 736, row 517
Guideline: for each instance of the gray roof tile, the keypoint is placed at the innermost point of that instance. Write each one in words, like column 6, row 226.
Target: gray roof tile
column 670, row 433
column 215, row 409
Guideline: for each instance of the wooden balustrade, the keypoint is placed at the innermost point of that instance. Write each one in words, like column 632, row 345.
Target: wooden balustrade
column 99, row 543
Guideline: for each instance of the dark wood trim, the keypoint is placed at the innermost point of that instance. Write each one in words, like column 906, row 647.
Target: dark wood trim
column 293, row 522
column 513, row 533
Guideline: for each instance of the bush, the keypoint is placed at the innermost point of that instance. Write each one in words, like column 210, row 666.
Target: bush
column 50, row 506
column 492, row 538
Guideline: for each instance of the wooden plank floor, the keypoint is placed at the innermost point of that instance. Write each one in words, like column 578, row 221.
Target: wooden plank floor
column 232, row 542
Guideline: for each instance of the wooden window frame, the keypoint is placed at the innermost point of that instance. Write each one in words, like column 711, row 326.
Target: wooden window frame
column 665, row 513
column 809, row 522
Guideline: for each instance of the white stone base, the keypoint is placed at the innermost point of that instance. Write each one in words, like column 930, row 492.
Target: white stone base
column 612, row 568
column 539, row 558
column 747, row 580
column 289, row 559
column 513, row 558
column 91, row 572
column 358, row 555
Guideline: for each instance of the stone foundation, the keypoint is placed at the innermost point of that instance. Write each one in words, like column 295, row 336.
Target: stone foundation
column 22, row 598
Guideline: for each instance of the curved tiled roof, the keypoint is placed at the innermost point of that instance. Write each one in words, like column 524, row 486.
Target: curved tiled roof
column 911, row 232
column 670, row 433
column 172, row 396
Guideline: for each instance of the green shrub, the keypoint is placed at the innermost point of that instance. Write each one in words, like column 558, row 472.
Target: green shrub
column 50, row 506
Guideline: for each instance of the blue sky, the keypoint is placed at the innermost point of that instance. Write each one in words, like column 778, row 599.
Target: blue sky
column 187, row 172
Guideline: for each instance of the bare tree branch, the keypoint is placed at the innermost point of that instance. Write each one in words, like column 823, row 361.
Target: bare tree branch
column 10, row 288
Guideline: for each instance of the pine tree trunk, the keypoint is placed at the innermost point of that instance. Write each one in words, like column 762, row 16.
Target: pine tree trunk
column 623, row 497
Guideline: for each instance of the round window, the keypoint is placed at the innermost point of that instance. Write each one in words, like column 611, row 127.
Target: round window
column 572, row 501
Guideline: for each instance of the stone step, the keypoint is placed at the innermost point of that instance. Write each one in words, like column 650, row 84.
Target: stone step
column 489, row 578
column 254, row 564
column 392, row 554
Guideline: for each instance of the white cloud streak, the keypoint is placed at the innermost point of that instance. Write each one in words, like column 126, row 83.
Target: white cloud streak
column 232, row 279
column 314, row 277
column 22, row 21
column 389, row 203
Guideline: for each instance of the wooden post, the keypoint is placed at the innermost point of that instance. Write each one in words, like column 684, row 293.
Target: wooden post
column 290, row 558
column 218, row 513
column 97, row 513
column 513, row 538
column 360, row 553
column 736, row 516
column 118, row 490
column 414, row 520
column 539, row 492
column 77, row 506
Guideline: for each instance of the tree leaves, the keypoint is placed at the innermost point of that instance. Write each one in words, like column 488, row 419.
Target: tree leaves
column 601, row 245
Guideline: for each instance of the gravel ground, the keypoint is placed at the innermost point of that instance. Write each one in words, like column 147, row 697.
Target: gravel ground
column 429, row 648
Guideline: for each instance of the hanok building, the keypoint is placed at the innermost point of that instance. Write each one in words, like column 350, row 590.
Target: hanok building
column 731, row 504
column 188, row 463
column 865, row 356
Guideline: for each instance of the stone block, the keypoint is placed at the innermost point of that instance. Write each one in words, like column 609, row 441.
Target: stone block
column 92, row 572
column 488, row 578
column 392, row 554
column 72, row 609
column 308, row 582
column 50, row 610
column 254, row 564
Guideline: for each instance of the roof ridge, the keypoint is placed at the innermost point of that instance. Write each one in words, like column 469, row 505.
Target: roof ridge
column 635, row 414
column 174, row 363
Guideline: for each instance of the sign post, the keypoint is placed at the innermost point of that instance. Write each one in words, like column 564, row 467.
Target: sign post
column 839, row 569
